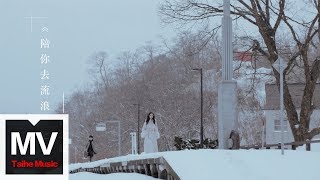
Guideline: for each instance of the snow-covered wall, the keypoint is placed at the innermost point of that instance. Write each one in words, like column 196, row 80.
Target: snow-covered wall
column 273, row 136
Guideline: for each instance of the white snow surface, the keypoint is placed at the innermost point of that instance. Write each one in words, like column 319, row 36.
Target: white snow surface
column 314, row 147
column 230, row 165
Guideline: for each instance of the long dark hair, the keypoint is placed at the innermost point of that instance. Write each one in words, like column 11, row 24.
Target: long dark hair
column 91, row 138
column 153, row 118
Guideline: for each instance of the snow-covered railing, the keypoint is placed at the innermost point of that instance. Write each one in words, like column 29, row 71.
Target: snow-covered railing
column 293, row 145
column 155, row 167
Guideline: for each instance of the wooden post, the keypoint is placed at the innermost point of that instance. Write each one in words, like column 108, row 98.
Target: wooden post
column 308, row 145
column 256, row 146
column 279, row 145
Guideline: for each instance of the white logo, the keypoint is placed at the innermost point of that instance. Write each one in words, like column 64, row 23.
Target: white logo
column 31, row 141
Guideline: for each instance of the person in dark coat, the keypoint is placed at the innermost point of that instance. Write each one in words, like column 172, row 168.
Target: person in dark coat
column 90, row 148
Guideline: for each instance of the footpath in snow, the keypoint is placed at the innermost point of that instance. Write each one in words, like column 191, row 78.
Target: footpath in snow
column 227, row 164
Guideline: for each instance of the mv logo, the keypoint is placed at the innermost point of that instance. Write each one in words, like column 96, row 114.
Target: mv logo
column 31, row 140
column 34, row 148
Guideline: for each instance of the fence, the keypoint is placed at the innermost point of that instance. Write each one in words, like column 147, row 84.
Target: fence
column 293, row 145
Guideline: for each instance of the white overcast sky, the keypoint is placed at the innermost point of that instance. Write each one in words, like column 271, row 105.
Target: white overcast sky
column 77, row 28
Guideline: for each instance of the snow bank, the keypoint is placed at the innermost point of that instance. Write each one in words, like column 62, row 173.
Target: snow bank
column 245, row 164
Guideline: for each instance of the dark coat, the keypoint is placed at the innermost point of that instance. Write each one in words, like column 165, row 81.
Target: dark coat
column 90, row 148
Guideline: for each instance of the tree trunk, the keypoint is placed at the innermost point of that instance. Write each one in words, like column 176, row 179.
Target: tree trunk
column 301, row 133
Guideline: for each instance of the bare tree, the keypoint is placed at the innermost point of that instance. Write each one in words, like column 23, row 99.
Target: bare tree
column 162, row 82
column 270, row 18
column 100, row 69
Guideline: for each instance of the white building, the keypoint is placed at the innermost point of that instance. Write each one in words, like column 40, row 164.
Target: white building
column 272, row 106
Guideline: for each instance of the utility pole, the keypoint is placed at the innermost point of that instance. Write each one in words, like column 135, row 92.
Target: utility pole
column 201, row 106
column 227, row 94
column 138, row 128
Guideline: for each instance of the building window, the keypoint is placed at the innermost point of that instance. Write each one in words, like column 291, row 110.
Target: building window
column 277, row 125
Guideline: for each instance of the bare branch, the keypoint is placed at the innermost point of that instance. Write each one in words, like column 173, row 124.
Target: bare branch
column 280, row 14
column 293, row 32
column 267, row 9
column 311, row 34
column 314, row 132
column 243, row 13
column 291, row 61
column 315, row 71
column 256, row 47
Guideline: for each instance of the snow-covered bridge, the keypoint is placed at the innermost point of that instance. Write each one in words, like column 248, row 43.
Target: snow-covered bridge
column 156, row 167
column 213, row 164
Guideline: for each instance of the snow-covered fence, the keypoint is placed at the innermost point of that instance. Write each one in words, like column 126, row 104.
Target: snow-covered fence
column 293, row 145
column 155, row 167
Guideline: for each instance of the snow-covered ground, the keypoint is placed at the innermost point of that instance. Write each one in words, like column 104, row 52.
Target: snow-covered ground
column 314, row 147
column 227, row 165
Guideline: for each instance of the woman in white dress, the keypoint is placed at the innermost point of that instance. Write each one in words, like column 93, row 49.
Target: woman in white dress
column 150, row 134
